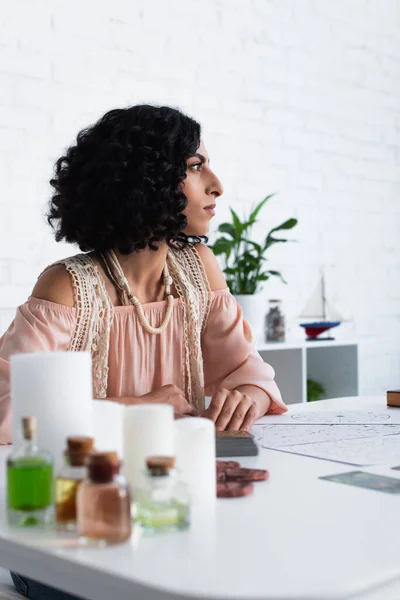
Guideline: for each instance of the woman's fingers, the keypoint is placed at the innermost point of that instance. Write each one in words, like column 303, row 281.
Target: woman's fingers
column 239, row 416
column 231, row 410
column 232, row 399
column 216, row 404
column 250, row 418
column 190, row 410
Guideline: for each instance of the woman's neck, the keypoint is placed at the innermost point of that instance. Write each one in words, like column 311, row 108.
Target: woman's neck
column 143, row 270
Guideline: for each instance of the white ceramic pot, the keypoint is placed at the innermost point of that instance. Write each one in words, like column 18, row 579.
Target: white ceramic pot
column 254, row 310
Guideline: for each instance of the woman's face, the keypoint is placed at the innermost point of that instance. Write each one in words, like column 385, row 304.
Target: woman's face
column 201, row 188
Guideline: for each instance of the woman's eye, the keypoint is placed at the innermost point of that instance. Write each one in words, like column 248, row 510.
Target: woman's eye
column 196, row 166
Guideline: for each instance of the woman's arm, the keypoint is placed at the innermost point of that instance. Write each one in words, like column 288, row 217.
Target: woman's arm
column 241, row 384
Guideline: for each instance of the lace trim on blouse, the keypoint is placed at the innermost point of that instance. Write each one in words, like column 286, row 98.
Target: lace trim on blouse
column 191, row 283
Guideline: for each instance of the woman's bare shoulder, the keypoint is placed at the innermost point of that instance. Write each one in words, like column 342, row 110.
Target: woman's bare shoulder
column 55, row 285
column 213, row 271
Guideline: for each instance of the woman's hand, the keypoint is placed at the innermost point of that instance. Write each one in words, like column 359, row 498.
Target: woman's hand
column 170, row 394
column 232, row 410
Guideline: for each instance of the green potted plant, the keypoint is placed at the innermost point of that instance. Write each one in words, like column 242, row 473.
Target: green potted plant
column 315, row 390
column 245, row 261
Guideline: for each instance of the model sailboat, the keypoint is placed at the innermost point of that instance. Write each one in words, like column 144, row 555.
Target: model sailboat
column 320, row 314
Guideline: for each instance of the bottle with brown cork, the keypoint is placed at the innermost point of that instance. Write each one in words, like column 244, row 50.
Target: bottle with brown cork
column 29, row 480
column 104, row 502
column 69, row 479
column 162, row 503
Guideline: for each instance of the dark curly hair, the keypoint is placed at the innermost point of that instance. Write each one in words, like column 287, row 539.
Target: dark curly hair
column 118, row 187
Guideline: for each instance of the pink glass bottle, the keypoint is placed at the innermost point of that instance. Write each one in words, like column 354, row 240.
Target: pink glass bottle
column 104, row 502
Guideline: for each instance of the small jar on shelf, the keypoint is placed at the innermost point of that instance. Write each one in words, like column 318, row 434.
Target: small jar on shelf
column 275, row 322
column 29, row 481
column 104, row 502
column 162, row 502
column 69, row 479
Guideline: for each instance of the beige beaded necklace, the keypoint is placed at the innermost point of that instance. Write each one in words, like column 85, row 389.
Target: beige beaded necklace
column 117, row 276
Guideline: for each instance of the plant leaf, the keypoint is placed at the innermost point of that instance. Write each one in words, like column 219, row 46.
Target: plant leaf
column 254, row 214
column 230, row 271
column 222, row 246
column 248, row 261
column 254, row 244
column 277, row 274
column 289, row 224
column 237, row 224
column 262, row 277
column 269, row 240
column 227, row 228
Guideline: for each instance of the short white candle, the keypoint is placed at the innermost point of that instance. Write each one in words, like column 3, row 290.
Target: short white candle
column 195, row 457
column 148, row 430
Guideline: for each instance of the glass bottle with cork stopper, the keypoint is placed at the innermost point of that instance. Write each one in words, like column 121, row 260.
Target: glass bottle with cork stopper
column 162, row 502
column 69, row 479
column 29, row 480
column 104, row 502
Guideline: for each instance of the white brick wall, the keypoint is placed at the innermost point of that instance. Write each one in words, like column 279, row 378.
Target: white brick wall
column 301, row 97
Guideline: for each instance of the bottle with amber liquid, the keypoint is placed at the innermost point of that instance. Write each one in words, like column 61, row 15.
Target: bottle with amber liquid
column 29, row 481
column 104, row 502
column 69, row 479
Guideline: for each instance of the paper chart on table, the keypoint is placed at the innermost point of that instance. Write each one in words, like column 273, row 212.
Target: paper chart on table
column 280, row 436
column 360, row 452
column 335, row 417
column 351, row 444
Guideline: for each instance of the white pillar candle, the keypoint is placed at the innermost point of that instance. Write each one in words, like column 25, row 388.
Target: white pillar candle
column 195, row 457
column 56, row 387
column 148, row 430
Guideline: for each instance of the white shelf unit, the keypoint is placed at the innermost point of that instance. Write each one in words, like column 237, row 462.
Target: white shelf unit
column 332, row 363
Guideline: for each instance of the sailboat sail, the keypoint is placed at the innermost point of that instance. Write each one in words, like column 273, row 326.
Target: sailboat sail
column 318, row 308
column 332, row 314
column 314, row 308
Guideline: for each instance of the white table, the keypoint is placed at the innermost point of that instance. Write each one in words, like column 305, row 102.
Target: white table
column 297, row 538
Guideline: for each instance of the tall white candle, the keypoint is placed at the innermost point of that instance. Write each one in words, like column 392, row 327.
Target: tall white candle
column 195, row 457
column 56, row 387
column 107, row 426
column 148, row 430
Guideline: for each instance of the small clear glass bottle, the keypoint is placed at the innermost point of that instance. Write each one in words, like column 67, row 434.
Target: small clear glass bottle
column 275, row 322
column 104, row 502
column 69, row 479
column 162, row 503
column 29, row 481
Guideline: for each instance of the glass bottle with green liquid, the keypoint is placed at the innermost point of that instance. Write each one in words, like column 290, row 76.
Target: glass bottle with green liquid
column 162, row 502
column 29, row 481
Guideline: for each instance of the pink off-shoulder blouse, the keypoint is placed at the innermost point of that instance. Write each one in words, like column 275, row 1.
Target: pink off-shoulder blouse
column 138, row 361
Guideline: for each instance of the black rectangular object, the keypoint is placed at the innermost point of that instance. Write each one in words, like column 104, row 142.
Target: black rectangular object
column 235, row 443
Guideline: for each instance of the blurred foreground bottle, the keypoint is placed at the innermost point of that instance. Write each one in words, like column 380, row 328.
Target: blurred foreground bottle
column 162, row 502
column 29, row 481
column 104, row 502
column 69, row 479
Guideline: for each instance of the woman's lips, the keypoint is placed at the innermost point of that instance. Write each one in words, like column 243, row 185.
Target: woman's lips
column 210, row 209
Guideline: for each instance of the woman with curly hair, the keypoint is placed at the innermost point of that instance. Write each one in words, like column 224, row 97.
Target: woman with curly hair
column 146, row 296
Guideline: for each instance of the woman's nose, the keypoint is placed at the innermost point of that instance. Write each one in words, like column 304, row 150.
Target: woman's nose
column 216, row 186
